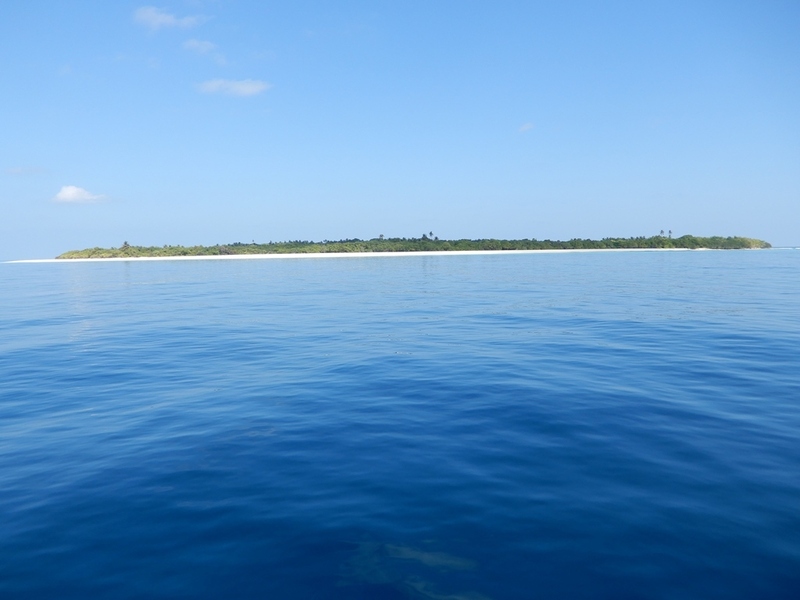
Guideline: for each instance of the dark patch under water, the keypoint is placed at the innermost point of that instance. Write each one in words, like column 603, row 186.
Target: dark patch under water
column 607, row 425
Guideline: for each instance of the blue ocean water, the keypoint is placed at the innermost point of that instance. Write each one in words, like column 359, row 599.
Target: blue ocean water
column 574, row 425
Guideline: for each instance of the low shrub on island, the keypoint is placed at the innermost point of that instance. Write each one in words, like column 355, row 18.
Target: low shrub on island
column 422, row 244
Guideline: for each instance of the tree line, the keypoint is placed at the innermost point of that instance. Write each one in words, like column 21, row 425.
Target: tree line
column 421, row 244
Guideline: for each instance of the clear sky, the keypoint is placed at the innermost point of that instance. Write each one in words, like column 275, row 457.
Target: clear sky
column 203, row 122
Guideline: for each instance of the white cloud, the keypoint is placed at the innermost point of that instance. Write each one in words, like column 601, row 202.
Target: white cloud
column 243, row 87
column 205, row 48
column 155, row 18
column 73, row 193
column 526, row 127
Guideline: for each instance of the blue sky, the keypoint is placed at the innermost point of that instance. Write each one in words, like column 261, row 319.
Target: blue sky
column 203, row 122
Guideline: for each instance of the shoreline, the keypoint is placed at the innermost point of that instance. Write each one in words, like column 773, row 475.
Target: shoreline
column 348, row 255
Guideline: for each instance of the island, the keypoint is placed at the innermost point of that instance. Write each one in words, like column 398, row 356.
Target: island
column 425, row 243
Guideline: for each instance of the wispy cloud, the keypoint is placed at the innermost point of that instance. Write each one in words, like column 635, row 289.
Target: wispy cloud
column 230, row 87
column 156, row 18
column 199, row 46
column 24, row 171
column 205, row 48
column 75, row 194
column 525, row 127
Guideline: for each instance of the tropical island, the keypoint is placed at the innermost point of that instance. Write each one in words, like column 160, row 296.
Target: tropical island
column 425, row 243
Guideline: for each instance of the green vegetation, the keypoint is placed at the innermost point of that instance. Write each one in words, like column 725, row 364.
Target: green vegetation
column 422, row 244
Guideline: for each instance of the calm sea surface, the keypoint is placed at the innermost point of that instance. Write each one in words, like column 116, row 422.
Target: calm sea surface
column 579, row 425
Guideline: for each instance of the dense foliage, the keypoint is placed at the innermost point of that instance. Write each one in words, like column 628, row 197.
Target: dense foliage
column 421, row 244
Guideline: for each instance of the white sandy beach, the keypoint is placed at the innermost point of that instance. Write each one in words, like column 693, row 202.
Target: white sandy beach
column 345, row 255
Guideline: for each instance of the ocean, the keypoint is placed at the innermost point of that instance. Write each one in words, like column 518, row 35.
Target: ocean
column 595, row 425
